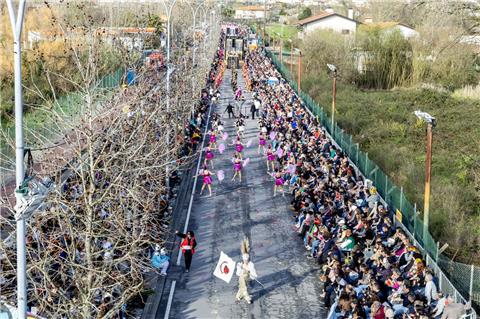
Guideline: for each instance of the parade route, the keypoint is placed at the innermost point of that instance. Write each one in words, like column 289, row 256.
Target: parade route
column 291, row 286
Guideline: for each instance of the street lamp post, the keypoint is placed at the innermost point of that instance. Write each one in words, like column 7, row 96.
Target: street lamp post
column 17, row 25
column 194, row 12
column 333, row 69
column 431, row 123
column 168, row 10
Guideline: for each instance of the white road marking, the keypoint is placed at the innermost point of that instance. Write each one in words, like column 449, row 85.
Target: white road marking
column 172, row 288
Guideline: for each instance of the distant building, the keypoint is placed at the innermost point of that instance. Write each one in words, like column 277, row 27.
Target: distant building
column 250, row 12
column 406, row 30
column 330, row 20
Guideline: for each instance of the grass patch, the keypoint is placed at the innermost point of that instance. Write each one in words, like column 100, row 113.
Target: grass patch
column 285, row 31
column 385, row 126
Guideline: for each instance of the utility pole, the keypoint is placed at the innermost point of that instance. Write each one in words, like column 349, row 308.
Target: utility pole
column 17, row 25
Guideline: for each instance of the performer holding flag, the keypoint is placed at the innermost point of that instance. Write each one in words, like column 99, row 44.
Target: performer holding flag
column 245, row 272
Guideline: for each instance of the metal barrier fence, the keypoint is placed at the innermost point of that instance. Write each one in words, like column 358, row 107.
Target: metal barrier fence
column 37, row 129
column 459, row 280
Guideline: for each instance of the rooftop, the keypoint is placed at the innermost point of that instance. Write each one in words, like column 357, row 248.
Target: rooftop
column 321, row 16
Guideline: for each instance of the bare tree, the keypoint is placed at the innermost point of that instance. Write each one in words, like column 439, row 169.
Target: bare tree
column 89, row 246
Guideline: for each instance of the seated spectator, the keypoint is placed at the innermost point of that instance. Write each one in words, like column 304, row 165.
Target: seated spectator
column 161, row 261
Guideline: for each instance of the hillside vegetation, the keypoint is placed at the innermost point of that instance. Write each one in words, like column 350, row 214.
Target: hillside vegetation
column 383, row 79
column 385, row 126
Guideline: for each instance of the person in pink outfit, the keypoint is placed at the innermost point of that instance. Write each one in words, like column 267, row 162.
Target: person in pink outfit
column 207, row 179
column 237, row 167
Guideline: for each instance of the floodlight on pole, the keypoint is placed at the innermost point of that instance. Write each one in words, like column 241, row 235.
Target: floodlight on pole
column 332, row 67
column 431, row 123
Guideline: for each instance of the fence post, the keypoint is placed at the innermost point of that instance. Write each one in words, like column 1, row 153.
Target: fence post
column 358, row 149
column 386, row 188
column 472, row 271
column 366, row 164
column 437, row 253
column 401, row 198
column 414, row 220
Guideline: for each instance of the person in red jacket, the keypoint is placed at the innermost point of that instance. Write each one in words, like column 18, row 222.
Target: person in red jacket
column 187, row 245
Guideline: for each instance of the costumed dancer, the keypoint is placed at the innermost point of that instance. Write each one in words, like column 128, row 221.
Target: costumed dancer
column 245, row 272
column 240, row 124
column 237, row 167
column 278, row 176
column 187, row 246
column 207, row 179
column 262, row 141
column 270, row 158
column 238, row 147
column 209, row 155
column 213, row 139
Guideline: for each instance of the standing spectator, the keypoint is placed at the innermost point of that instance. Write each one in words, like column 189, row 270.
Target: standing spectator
column 430, row 289
column 229, row 109
column 253, row 110
column 187, row 245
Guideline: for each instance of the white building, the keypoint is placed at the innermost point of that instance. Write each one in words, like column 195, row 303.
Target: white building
column 250, row 12
column 406, row 30
column 330, row 21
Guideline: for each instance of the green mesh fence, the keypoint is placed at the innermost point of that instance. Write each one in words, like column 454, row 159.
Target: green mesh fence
column 37, row 128
column 464, row 277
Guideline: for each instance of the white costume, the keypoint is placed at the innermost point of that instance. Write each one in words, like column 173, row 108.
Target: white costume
column 245, row 271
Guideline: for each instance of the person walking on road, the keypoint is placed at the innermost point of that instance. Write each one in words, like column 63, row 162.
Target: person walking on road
column 187, row 246
column 229, row 109
column 253, row 110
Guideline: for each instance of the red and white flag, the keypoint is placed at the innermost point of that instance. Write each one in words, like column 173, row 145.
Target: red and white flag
column 225, row 267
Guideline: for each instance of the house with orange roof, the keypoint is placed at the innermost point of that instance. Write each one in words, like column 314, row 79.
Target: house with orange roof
column 329, row 20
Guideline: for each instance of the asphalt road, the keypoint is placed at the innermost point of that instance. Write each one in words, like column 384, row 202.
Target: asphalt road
column 220, row 222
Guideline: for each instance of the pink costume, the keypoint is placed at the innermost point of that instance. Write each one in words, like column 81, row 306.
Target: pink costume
column 278, row 181
column 209, row 155
column 261, row 141
column 207, row 179
column 213, row 138
column 270, row 156
column 237, row 166
column 238, row 147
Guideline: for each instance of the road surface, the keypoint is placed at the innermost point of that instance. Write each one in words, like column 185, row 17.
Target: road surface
column 235, row 210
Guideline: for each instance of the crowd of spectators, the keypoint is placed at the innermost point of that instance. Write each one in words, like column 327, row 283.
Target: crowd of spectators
column 369, row 266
